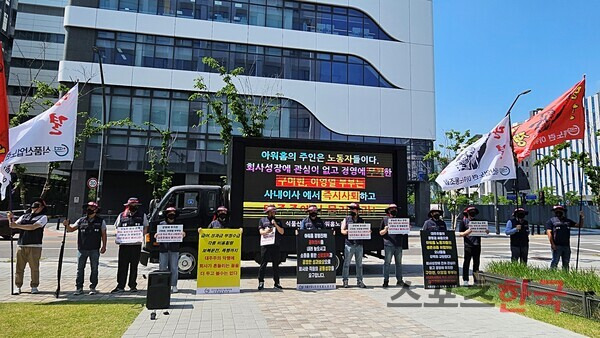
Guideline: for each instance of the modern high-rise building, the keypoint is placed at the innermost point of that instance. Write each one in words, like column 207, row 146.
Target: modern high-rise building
column 564, row 176
column 346, row 70
column 39, row 38
column 8, row 13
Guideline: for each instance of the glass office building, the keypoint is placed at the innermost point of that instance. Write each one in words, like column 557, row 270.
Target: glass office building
column 349, row 70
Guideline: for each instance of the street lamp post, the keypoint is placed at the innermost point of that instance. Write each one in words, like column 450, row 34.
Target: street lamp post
column 103, row 131
column 516, row 164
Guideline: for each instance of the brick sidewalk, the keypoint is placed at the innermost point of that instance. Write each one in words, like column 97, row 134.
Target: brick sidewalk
column 349, row 312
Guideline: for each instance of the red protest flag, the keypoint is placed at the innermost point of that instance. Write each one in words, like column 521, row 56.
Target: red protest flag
column 561, row 120
column 3, row 109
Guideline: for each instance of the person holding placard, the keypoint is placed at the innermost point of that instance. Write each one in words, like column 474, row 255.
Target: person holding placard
column 169, row 251
column 222, row 219
column 472, row 243
column 518, row 230
column 393, row 244
column 558, row 229
column 313, row 221
column 91, row 242
column 352, row 247
column 129, row 253
column 435, row 221
column 271, row 231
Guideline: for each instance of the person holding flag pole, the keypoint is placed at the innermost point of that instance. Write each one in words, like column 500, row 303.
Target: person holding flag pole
column 47, row 137
column 560, row 121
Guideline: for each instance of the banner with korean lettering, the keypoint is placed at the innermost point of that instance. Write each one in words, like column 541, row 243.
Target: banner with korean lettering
column 561, row 120
column 4, row 120
column 488, row 159
column 316, row 260
column 440, row 259
column 48, row 137
column 219, row 261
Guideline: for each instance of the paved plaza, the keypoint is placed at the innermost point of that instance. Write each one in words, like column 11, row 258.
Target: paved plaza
column 349, row 312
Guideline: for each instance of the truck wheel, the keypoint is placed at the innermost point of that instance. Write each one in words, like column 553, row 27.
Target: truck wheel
column 339, row 264
column 188, row 263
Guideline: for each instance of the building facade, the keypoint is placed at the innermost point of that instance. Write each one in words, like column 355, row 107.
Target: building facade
column 8, row 13
column 39, row 37
column 564, row 176
column 347, row 70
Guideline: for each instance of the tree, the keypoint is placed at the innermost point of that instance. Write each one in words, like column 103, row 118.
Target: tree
column 227, row 106
column 159, row 175
column 455, row 142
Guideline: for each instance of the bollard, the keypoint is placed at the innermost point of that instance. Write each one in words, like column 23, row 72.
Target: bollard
column 57, row 223
column 538, row 229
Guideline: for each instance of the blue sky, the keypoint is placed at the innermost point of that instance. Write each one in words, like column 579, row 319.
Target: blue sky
column 488, row 51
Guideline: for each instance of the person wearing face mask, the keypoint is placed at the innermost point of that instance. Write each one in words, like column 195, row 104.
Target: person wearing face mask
column 313, row 221
column 435, row 221
column 222, row 219
column 129, row 254
column 91, row 242
column 393, row 246
column 472, row 244
column 558, row 229
column 352, row 247
column 31, row 232
column 518, row 230
column 169, row 252
column 268, row 225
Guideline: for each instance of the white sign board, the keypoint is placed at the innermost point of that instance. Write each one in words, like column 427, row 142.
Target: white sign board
column 399, row 226
column 268, row 239
column 359, row 231
column 130, row 235
column 478, row 228
column 169, row 233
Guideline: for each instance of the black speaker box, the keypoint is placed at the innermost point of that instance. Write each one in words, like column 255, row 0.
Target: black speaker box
column 158, row 296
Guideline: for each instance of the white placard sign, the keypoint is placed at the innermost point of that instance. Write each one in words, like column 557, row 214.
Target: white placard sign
column 399, row 226
column 478, row 228
column 169, row 233
column 130, row 235
column 268, row 239
column 359, row 231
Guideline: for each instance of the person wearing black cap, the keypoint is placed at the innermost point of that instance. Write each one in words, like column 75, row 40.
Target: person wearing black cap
column 266, row 226
column 169, row 252
column 518, row 230
column 435, row 221
column 222, row 220
column 472, row 244
column 313, row 221
column 393, row 246
column 352, row 247
column 129, row 254
column 558, row 229
column 31, row 226
column 91, row 242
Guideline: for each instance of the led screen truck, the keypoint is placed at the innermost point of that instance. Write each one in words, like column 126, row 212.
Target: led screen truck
column 291, row 174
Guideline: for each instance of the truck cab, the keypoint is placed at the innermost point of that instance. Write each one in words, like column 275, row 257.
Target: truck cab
column 196, row 205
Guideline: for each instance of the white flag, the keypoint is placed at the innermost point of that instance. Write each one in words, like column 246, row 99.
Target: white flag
column 489, row 159
column 48, row 137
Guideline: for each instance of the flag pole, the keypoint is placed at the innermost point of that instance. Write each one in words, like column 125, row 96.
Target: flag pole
column 525, row 92
column 581, row 176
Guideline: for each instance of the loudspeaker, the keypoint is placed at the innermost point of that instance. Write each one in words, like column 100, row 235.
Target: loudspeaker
column 158, row 296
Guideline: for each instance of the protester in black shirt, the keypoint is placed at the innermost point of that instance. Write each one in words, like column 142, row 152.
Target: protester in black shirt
column 558, row 229
column 393, row 246
column 472, row 244
column 352, row 247
column 313, row 221
column 222, row 219
column 266, row 226
column 435, row 221
column 518, row 230
column 169, row 252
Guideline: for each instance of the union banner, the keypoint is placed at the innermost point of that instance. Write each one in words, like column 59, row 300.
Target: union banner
column 560, row 121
